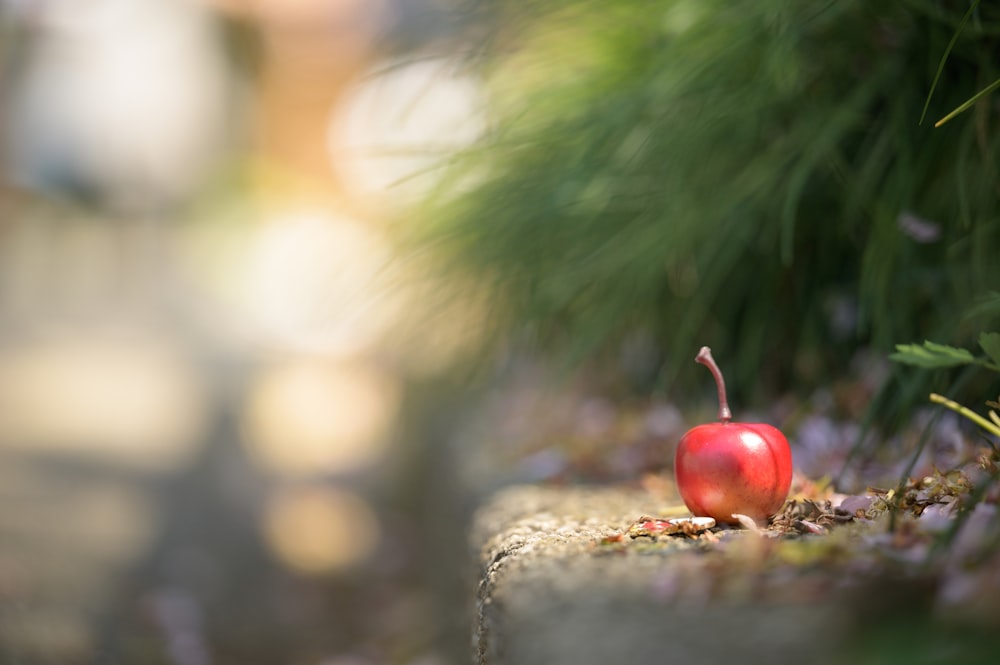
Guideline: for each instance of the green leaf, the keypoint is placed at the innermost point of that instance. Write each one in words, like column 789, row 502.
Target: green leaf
column 991, row 345
column 931, row 355
column 986, row 305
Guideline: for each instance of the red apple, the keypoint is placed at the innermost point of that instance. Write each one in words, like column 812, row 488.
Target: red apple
column 728, row 468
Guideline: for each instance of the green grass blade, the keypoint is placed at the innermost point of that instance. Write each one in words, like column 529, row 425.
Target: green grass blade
column 944, row 58
column 975, row 98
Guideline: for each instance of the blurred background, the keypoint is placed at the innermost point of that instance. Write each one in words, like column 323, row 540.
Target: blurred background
column 205, row 333
column 287, row 285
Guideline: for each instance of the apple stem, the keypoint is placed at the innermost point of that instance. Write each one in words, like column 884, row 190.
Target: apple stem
column 705, row 358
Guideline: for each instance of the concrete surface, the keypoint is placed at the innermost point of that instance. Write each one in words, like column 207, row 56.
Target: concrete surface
column 549, row 592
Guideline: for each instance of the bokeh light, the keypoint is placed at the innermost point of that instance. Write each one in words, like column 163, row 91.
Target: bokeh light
column 318, row 530
column 397, row 129
column 316, row 282
column 308, row 417
column 133, row 402
column 136, row 114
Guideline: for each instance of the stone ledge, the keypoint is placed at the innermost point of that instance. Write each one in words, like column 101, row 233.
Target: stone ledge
column 549, row 593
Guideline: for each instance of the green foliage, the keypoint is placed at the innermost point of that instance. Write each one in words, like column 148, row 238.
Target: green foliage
column 987, row 305
column 940, row 356
column 990, row 342
column 747, row 174
column 969, row 103
column 931, row 355
column 944, row 59
column 937, row 356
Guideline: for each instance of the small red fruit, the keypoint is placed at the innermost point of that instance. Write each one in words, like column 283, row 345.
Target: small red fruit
column 728, row 468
